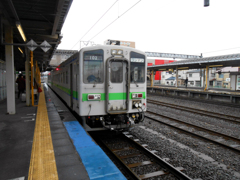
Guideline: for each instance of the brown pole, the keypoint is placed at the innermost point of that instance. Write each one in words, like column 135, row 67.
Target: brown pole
column 152, row 78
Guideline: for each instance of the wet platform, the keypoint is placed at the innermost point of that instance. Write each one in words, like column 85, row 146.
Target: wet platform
column 198, row 93
column 47, row 142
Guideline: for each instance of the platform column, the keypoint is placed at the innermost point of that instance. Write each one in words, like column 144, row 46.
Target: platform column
column 11, row 107
column 27, row 78
column 176, row 76
column 32, row 77
column 152, row 78
column 206, row 80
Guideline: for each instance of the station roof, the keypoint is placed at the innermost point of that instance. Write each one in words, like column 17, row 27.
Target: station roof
column 223, row 61
column 40, row 20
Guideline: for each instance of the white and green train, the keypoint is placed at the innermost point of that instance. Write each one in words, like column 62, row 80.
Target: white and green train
column 105, row 85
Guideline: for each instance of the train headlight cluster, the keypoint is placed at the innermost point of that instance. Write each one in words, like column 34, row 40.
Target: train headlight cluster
column 117, row 52
column 92, row 97
column 138, row 105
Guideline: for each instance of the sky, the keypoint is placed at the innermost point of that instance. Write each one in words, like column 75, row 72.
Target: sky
column 166, row 26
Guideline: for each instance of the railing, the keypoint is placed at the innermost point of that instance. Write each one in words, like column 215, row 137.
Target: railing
column 222, row 87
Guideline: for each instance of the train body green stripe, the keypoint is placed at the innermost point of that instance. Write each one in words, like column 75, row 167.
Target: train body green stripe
column 66, row 90
column 112, row 96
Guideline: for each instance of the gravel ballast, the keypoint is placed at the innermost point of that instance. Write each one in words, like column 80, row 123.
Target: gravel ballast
column 200, row 159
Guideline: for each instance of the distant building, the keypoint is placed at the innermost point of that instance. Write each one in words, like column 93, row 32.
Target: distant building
column 158, row 75
column 218, row 77
column 171, row 81
column 194, row 78
column 120, row 43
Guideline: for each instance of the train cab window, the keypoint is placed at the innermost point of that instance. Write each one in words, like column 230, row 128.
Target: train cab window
column 116, row 72
column 93, row 67
column 137, row 67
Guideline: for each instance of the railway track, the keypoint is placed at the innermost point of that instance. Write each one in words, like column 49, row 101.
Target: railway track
column 177, row 124
column 200, row 100
column 137, row 160
column 229, row 118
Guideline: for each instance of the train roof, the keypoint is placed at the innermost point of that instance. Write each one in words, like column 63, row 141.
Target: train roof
column 71, row 58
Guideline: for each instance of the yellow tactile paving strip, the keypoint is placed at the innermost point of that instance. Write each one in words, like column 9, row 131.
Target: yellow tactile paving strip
column 43, row 164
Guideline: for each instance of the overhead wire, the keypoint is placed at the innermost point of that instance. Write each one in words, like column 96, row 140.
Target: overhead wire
column 96, row 23
column 115, row 20
column 220, row 50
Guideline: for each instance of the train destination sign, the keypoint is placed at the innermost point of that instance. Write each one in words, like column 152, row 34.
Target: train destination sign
column 138, row 60
column 93, row 57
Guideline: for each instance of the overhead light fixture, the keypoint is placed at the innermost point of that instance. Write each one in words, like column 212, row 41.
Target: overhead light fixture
column 20, row 50
column 18, row 24
column 215, row 65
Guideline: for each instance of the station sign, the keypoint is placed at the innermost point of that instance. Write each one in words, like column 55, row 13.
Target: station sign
column 170, row 55
column 32, row 45
column 47, row 46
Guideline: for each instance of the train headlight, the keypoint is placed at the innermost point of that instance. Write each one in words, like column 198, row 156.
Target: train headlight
column 120, row 52
column 133, row 116
column 136, row 105
column 117, row 52
column 94, row 97
column 139, row 104
column 114, row 51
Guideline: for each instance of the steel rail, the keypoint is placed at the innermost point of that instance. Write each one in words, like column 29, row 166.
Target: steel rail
column 200, row 100
column 197, row 111
column 154, row 159
column 191, row 133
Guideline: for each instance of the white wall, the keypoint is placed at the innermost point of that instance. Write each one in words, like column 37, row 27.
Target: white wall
column 233, row 82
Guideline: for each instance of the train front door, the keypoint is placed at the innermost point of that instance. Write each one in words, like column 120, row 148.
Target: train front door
column 117, row 86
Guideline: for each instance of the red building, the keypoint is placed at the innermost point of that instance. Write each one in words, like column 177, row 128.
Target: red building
column 158, row 62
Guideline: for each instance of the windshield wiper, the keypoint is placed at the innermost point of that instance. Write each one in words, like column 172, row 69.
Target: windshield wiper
column 135, row 83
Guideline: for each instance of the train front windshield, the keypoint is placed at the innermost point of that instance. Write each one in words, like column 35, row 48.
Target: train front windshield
column 137, row 66
column 93, row 67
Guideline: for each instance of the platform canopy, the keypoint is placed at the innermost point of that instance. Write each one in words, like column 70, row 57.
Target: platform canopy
column 40, row 20
column 215, row 61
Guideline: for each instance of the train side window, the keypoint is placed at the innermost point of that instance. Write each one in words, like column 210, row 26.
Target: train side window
column 66, row 77
column 93, row 69
column 137, row 67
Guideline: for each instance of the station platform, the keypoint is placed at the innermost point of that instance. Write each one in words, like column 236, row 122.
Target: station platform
column 222, row 95
column 47, row 142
